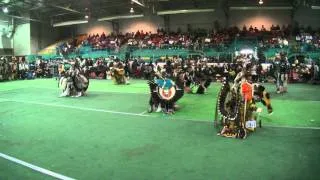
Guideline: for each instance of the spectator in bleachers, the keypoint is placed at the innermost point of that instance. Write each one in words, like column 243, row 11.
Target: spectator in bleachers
column 23, row 68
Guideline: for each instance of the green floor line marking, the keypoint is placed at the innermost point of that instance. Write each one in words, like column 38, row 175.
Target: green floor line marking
column 35, row 168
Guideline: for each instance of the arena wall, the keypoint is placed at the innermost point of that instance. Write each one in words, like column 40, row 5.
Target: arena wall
column 41, row 35
column 6, row 47
column 308, row 17
column 147, row 24
column 257, row 18
column 94, row 28
column 21, row 40
column 6, row 42
column 192, row 21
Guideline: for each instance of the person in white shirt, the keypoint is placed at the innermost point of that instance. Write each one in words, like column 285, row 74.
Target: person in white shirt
column 23, row 68
column 285, row 42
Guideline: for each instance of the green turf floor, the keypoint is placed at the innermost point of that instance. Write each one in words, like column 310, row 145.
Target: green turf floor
column 109, row 135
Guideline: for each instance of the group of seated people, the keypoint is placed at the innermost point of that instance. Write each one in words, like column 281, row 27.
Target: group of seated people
column 197, row 71
column 13, row 68
column 302, row 72
column 308, row 41
column 306, row 71
column 138, row 68
column 67, row 47
column 102, row 42
column 43, row 69
column 198, row 39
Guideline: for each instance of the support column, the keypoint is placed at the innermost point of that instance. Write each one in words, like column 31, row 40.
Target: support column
column 222, row 15
column 226, row 13
column 293, row 22
column 166, row 19
column 115, row 27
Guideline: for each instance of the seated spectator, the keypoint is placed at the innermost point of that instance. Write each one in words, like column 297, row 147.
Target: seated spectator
column 251, row 29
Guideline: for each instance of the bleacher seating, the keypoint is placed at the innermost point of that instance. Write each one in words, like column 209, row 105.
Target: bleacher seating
column 154, row 46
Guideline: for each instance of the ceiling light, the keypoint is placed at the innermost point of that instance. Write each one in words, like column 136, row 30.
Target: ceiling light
column 5, row 9
column 131, row 10
column 86, row 16
column 260, row 2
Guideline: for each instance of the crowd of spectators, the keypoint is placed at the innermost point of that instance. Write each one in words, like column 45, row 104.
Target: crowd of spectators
column 199, row 39
column 220, row 40
column 276, row 37
column 13, row 68
column 102, row 42
column 67, row 47
column 308, row 41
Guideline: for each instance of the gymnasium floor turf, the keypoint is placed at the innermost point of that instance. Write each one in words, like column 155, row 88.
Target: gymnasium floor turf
column 109, row 135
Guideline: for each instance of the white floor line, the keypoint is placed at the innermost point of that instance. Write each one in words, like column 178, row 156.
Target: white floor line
column 269, row 126
column 75, row 107
column 94, row 91
column 143, row 112
column 35, row 168
column 292, row 127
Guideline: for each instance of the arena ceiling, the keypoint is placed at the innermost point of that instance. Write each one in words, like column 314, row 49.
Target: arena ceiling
column 64, row 10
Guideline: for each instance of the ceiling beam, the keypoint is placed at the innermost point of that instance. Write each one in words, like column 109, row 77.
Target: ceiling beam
column 262, row 8
column 61, row 14
column 137, row 2
column 24, row 18
column 184, row 11
column 68, row 23
column 66, row 9
column 120, row 17
column 315, row 7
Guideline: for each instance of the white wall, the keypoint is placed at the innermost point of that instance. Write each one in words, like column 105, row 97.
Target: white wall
column 125, row 25
column 94, row 28
column 22, row 40
column 147, row 24
column 151, row 23
column 196, row 20
column 257, row 18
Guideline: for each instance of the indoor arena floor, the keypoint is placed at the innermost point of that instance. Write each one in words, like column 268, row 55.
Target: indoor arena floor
column 109, row 135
